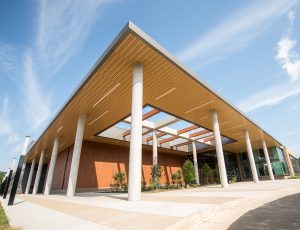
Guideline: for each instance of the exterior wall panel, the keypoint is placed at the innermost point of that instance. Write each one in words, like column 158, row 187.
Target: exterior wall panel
column 99, row 162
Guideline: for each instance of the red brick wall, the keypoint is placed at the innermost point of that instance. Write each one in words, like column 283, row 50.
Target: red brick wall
column 99, row 162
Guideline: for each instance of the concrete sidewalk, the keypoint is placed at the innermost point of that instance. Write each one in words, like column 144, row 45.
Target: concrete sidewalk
column 209, row 207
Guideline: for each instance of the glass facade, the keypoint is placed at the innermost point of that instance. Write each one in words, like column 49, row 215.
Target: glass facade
column 238, row 165
column 296, row 166
column 210, row 158
column 277, row 158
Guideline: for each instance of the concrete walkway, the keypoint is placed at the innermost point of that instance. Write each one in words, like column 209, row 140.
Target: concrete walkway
column 209, row 207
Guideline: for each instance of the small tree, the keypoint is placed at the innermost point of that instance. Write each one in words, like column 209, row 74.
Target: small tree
column 177, row 178
column 216, row 175
column 156, row 173
column 119, row 179
column 206, row 171
column 188, row 173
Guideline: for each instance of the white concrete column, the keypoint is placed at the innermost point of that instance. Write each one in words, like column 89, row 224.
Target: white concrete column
column 135, row 157
column 268, row 160
column 251, row 157
column 195, row 163
column 219, row 150
column 38, row 173
column 289, row 162
column 30, row 176
column 76, row 155
column 51, row 166
column 154, row 149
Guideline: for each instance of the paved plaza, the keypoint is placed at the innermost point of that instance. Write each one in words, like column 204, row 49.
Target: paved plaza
column 209, row 207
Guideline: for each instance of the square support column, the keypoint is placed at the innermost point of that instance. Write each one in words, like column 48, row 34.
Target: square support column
column 51, row 166
column 268, row 160
column 219, row 150
column 135, row 156
column 76, row 156
column 251, row 157
column 154, row 149
column 30, row 176
column 38, row 173
column 195, row 163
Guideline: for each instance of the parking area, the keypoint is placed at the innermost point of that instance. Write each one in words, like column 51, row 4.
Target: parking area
column 207, row 207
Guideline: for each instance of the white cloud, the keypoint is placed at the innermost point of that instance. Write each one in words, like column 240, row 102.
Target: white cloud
column 290, row 62
column 7, row 129
column 270, row 97
column 35, row 103
column 286, row 56
column 236, row 32
column 291, row 133
column 62, row 26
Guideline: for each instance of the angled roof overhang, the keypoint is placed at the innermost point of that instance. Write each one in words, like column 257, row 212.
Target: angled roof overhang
column 105, row 96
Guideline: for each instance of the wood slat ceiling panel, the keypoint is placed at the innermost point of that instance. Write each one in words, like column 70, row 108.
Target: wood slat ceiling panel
column 160, row 76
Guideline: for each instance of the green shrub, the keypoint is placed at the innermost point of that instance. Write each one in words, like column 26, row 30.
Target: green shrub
column 294, row 177
column 177, row 178
column 4, row 224
column 206, row 170
column 119, row 182
column 188, row 173
column 233, row 179
column 156, row 173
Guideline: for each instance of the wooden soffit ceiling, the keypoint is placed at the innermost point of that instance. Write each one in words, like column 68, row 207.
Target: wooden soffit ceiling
column 105, row 96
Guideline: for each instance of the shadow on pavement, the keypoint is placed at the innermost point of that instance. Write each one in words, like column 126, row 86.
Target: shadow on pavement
column 283, row 213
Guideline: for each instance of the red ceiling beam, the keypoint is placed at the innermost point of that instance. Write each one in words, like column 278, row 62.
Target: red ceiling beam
column 145, row 116
column 192, row 127
column 209, row 139
column 150, row 113
column 160, row 134
column 199, row 133
column 168, row 139
column 182, row 144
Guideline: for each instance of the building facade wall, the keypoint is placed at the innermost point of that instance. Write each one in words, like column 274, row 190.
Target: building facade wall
column 99, row 162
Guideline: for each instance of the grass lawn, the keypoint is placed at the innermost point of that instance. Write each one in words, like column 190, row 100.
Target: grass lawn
column 4, row 224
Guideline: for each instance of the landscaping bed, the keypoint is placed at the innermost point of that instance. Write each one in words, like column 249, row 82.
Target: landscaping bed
column 4, row 224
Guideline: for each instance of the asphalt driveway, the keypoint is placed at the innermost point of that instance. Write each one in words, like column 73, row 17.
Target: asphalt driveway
column 283, row 213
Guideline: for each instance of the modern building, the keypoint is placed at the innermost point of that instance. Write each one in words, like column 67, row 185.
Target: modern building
column 138, row 107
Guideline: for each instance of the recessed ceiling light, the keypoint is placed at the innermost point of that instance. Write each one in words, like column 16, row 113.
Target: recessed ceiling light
column 108, row 93
column 203, row 118
column 200, row 106
column 60, row 129
column 61, row 144
column 164, row 94
column 226, row 122
column 97, row 118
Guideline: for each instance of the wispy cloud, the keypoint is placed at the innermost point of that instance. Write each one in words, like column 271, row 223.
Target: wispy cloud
column 269, row 97
column 290, row 62
column 236, row 32
column 286, row 56
column 62, row 26
column 7, row 129
column 291, row 133
column 36, row 105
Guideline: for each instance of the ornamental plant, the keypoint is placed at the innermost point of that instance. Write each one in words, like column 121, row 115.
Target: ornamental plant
column 119, row 180
column 156, row 173
column 177, row 178
column 206, row 170
column 188, row 173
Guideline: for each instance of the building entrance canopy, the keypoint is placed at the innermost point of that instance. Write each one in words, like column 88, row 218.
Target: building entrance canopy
column 105, row 97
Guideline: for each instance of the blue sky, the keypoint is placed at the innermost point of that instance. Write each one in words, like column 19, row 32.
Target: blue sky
column 246, row 50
